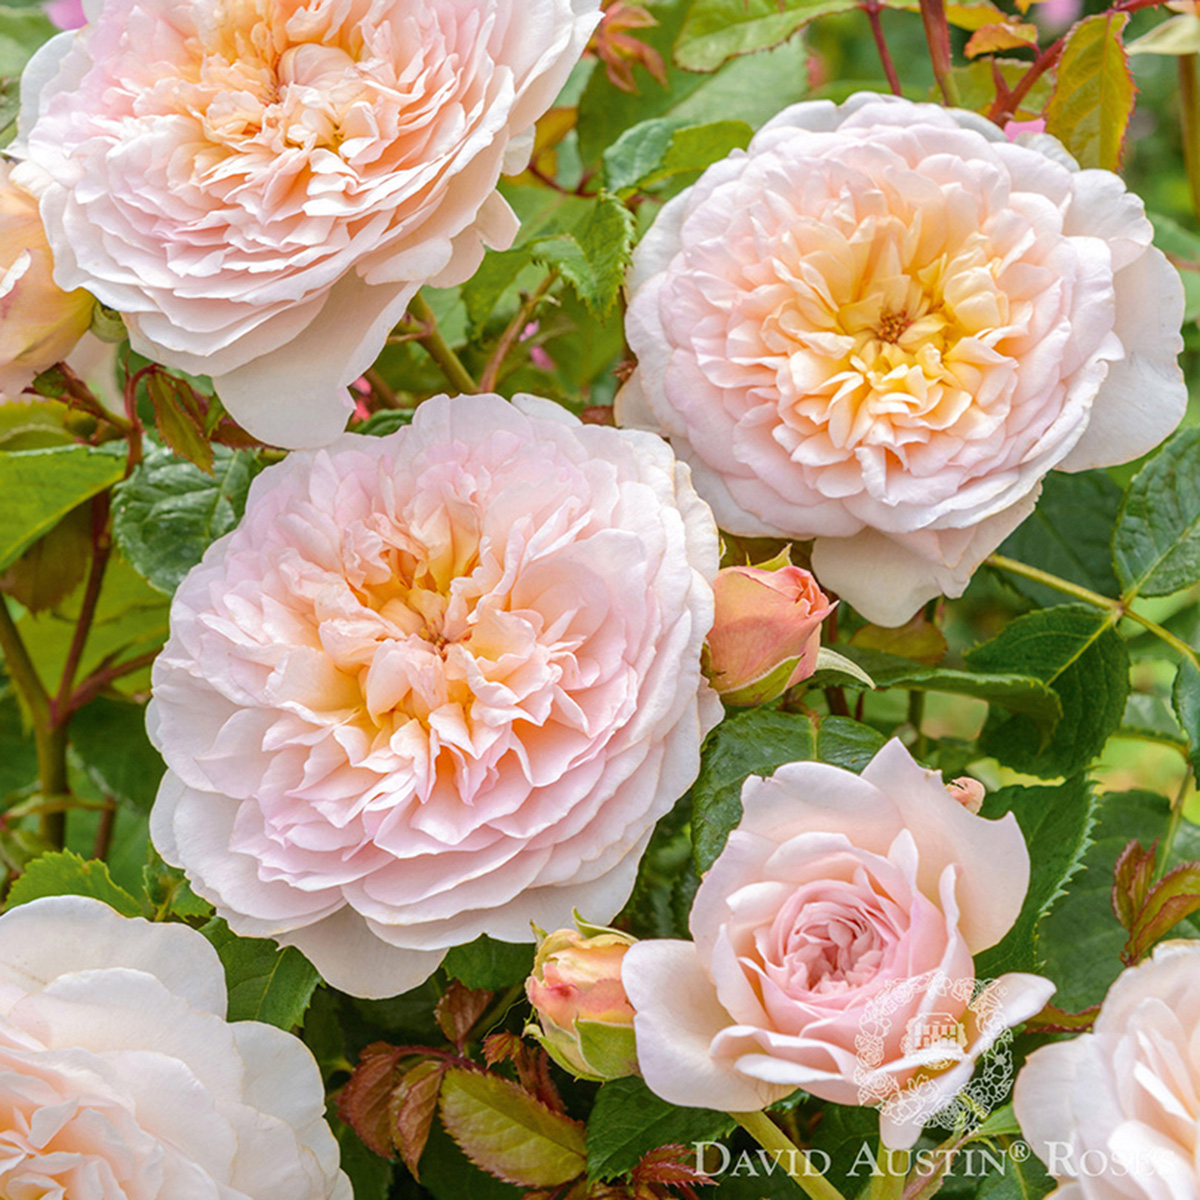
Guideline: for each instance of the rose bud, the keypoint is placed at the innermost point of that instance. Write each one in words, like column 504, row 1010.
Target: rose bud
column 577, row 994
column 766, row 632
column 39, row 322
column 968, row 792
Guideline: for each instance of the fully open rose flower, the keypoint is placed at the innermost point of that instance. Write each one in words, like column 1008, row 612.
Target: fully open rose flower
column 120, row 1079
column 1115, row 1113
column 261, row 186
column 883, row 323
column 833, row 949
column 39, row 322
column 436, row 685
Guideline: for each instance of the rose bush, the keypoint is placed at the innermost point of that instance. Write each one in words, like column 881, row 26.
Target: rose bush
column 1114, row 1113
column 122, row 1081
column 232, row 177
column 880, row 327
column 837, row 901
column 437, row 684
column 39, row 322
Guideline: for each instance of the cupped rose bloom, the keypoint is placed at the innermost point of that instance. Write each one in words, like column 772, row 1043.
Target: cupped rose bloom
column 261, row 186
column 833, row 950
column 120, row 1079
column 766, row 631
column 883, row 323
column 39, row 322
column 1115, row 1113
column 436, row 685
column 584, row 1018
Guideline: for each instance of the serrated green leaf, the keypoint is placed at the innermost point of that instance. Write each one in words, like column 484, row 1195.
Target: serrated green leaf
column 265, row 983
column 1069, row 534
column 628, row 1119
column 756, row 742
column 592, row 257
column 1185, row 696
column 1076, row 651
column 32, row 424
column 718, row 30
column 41, row 486
column 1094, row 92
column 505, row 1131
column 1156, row 544
column 1150, row 717
column 179, row 418
column 168, row 512
column 1017, row 692
column 65, row 873
column 1056, row 823
column 1081, row 940
column 489, row 963
column 109, row 738
column 664, row 147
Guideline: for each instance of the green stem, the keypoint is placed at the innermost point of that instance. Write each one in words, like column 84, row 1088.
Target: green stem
column 438, row 349
column 1118, row 608
column 1176, row 820
column 496, row 1013
column 1189, row 127
column 772, row 1139
column 886, row 1183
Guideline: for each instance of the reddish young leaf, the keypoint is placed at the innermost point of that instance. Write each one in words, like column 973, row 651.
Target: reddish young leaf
column 1057, row 1020
column 179, row 415
column 413, row 1103
column 1174, row 897
column 1132, row 877
column 458, row 1011
column 365, row 1101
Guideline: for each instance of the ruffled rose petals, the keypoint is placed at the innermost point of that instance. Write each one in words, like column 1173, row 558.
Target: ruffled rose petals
column 261, row 188
column 833, row 950
column 437, row 684
column 883, row 323
column 121, row 1080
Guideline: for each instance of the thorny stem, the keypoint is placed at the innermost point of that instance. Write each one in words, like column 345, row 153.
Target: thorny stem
column 437, row 348
column 104, row 831
column 491, row 373
column 787, row 1154
column 873, row 8
column 101, row 549
column 1118, row 608
column 382, row 388
column 937, row 34
column 99, row 679
column 1168, row 841
column 50, row 739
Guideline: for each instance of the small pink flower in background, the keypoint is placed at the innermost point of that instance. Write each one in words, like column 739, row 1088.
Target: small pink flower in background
column 970, row 793
column 261, row 189
column 1014, row 129
column 119, row 1076
column 838, row 898
column 1114, row 1114
column 66, row 14
column 766, row 631
column 437, row 684
column 39, row 322
column 585, row 1020
column 883, row 323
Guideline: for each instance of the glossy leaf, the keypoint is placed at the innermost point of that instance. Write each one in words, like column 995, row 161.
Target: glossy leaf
column 718, row 30
column 65, row 873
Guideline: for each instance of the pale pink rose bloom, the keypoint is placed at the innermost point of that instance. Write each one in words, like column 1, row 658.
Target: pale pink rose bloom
column 39, row 322
column 883, row 323
column 763, row 621
column 1115, row 1113
column 261, row 187
column 837, row 898
column 120, row 1078
column 437, row 684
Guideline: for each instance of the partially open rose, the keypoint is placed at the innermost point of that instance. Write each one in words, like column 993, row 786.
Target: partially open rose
column 833, row 949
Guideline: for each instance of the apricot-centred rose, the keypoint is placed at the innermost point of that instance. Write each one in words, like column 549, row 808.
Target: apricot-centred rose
column 883, row 323
column 1115, row 1113
column 261, row 186
column 39, row 322
column 121, row 1080
column 838, row 897
column 436, row 685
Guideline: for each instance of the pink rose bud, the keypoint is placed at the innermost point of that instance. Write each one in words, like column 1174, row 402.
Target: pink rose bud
column 39, row 322
column 968, row 792
column 577, row 994
column 766, row 632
